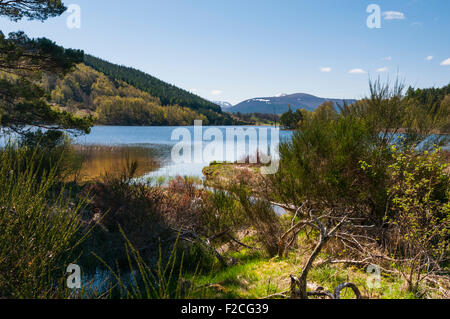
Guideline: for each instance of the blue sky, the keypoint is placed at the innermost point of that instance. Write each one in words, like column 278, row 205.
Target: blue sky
column 232, row 50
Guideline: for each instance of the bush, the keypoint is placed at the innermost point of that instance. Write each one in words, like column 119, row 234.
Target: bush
column 395, row 199
column 322, row 164
column 118, row 203
column 150, row 216
column 420, row 213
column 258, row 214
column 39, row 228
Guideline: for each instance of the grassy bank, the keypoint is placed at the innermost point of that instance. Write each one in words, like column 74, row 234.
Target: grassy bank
column 257, row 276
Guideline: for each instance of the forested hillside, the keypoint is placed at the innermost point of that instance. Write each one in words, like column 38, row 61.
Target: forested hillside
column 435, row 102
column 115, row 102
column 166, row 93
column 433, row 95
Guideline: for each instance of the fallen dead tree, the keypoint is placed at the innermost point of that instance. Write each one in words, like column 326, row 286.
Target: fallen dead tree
column 329, row 226
column 299, row 285
column 190, row 236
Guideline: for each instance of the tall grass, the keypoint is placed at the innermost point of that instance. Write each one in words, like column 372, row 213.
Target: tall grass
column 164, row 280
column 39, row 227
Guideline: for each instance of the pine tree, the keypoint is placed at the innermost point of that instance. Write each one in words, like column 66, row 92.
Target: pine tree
column 23, row 61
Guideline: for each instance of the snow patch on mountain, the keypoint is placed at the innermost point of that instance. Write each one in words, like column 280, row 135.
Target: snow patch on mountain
column 223, row 105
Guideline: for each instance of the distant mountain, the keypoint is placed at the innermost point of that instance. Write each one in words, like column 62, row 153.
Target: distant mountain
column 280, row 104
column 223, row 105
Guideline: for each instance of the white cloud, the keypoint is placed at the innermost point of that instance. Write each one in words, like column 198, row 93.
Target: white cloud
column 193, row 90
column 388, row 58
column 429, row 58
column 393, row 15
column 446, row 62
column 326, row 69
column 383, row 69
column 357, row 71
column 216, row 92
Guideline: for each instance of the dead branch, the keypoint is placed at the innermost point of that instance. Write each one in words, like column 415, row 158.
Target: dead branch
column 283, row 294
column 295, row 284
column 292, row 232
column 241, row 243
column 325, row 236
column 337, row 291
column 321, row 293
column 188, row 236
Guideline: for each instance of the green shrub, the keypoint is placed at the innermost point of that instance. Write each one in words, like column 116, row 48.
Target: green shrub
column 322, row 164
column 420, row 213
column 39, row 228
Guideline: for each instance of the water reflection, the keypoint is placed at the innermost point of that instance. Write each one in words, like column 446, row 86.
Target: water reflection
column 159, row 140
column 151, row 147
column 100, row 159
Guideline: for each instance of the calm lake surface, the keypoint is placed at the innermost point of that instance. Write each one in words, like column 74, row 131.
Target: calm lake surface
column 108, row 146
